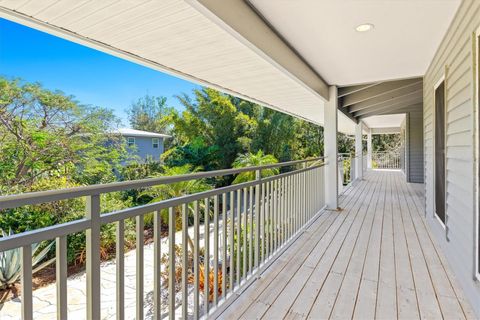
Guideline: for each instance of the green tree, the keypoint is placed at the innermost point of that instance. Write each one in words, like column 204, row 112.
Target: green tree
column 175, row 190
column 252, row 160
column 215, row 119
column 47, row 133
column 195, row 153
column 386, row 142
column 150, row 114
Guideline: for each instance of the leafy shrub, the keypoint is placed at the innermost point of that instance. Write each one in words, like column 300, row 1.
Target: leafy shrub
column 10, row 261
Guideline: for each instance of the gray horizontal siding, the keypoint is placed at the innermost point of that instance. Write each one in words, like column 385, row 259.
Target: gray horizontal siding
column 455, row 53
column 415, row 147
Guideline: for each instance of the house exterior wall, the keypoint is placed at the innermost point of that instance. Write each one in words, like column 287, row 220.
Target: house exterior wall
column 455, row 59
column 414, row 127
column 404, row 147
column 144, row 148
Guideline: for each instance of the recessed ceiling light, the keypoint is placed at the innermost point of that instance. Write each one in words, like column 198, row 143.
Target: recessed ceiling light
column 364, row 27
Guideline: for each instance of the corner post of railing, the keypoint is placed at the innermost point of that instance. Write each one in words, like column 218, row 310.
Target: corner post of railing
column 258, row 178
column 93, row 257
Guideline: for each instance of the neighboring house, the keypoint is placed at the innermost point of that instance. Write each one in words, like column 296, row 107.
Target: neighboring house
column 144, row 144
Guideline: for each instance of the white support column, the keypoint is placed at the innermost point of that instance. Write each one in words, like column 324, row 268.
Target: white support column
column 369, row 149
column 358, row 151
column 330, row 150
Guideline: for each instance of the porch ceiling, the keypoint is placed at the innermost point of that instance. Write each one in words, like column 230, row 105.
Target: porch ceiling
column 360, row 102
column 390, row 123
column 402, row 43
column 175, row 37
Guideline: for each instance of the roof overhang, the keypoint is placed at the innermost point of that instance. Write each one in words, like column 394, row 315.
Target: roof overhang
column 178, row 38
column 360, row 102
column 277, row 53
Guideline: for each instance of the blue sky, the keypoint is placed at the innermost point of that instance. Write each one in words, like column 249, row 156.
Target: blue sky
column 91, row 76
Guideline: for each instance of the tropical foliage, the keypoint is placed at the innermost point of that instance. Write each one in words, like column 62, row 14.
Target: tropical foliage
column 10, row 261
column 253, row 160
column 48, row 140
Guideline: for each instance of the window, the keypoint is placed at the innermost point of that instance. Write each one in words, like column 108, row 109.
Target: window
column 130, row 141
column 439, row 145
column 155, row 143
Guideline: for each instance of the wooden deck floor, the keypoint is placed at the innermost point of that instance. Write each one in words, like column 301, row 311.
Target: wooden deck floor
column 374, row 259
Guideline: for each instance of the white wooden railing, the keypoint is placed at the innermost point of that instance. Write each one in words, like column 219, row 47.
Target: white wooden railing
column 386, row 160
column 252, row 223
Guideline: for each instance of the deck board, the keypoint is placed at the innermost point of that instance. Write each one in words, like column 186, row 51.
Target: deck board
column 373, row 259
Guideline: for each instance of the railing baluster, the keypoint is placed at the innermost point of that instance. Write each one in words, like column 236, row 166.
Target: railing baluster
column 292, row 205
column 257, row 220
column 239, row 234
column 196, row 264
column 120, row 269
column 250, row 241
column 296, row 203
column 184, row 261
column 206, row 257
column 287, row 208
column 267, row 221
column 231, row 237
column 280, row 213
column 224, row 245
column 245, row 225
column 61, row 276
column 215, row 251
column 171, row 263
column 263, row 224
column 283, row 200
column 275, row 216
column 93, row 257
column 26, row 281
column 157, row 258
column 139, row 225
column 304, row 197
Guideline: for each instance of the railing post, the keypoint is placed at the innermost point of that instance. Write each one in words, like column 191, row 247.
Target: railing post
column 304, row 209
column 26, row 282
column 93, row 257
column 61, row 276
column 258, row 177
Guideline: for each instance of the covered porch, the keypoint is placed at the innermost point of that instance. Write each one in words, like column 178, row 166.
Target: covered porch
column 373, row 259
column 296, row 247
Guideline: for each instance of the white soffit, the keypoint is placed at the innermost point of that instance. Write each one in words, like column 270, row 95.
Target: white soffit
column 173, row 37
column 385, row 121
column 402, row 43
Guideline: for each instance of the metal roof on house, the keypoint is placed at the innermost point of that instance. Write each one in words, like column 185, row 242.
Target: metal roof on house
column 141, row 133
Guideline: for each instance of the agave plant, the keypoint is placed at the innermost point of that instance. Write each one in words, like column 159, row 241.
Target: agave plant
column 10, row 261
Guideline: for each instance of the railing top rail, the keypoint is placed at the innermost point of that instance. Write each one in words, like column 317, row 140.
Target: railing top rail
column 31, row 198
column 392, row 152
column 58, row 230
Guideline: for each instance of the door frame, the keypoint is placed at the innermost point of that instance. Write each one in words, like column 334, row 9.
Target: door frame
column 435, row 86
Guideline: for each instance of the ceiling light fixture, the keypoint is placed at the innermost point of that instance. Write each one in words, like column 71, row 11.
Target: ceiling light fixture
column 364, row 27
